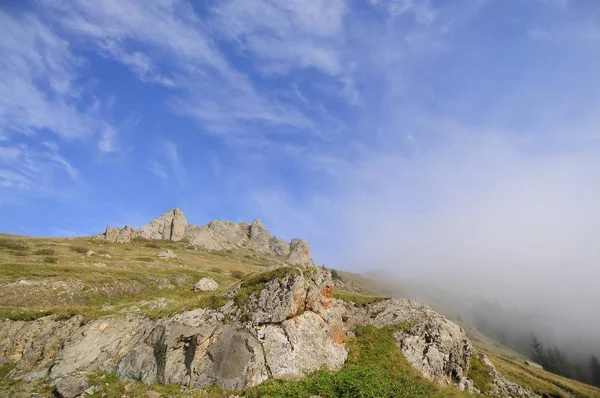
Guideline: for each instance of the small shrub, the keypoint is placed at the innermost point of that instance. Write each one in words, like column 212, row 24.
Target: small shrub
column 19, row 253
column 237, row 274
column 359, row 299
column 152, row 245
column 79, row 249
column 217, row 270
column 45, row 252
column 51, row 260
column 12, row 245
column 145, row 259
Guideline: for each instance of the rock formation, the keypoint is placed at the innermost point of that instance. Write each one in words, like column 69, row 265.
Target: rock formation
column 216, row 235
column 438, row 348
column 170, row 226
column 229, row 347
column 281, row 323
column 118, row 235
column 226, row 235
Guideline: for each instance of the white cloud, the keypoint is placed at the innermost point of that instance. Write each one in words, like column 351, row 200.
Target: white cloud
column 288, row 34
column 38, row 92
column 35, row 171
column 167, row 164
column 421, row 9
column 167, row 43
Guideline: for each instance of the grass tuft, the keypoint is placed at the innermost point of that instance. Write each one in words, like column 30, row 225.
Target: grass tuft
column 79, row 249
column 361, row 300
column 45, row 252
column 480, row 374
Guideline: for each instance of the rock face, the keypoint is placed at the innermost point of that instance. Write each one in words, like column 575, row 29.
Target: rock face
column 226, row 235
column 282, row 323
column 170, row 226
column 216, row 235
column 119, row 235
column 438, row 348
column 195, row 348
column 206, row 285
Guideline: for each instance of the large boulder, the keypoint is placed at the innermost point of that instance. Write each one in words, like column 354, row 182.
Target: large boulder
column 436, row 347
column 170, row 226
column 206, row 285
column 72, row 386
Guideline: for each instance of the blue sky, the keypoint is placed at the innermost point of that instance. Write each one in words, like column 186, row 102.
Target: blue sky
column 365, row 126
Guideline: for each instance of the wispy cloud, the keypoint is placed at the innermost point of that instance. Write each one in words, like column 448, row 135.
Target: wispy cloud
column 168, row 165
column 34, row 171
column 167, row 43
column 38, row 89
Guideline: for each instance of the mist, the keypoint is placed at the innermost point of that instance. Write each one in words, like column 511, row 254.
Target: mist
column 483, row 218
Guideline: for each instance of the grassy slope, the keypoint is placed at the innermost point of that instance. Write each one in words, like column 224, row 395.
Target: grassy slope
column 511, row 364
column 60, row 279
column 67, row 282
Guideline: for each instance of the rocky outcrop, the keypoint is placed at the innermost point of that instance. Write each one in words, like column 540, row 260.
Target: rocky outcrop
column 281, row 323
column 196, row 348
column 216, row 235
column 118, row 235
column 226, row 235
column 501, row 387
column 170, row 226
column 438, row 348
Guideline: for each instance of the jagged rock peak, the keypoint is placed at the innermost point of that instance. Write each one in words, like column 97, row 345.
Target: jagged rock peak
column 227, row 235
column 169, row 226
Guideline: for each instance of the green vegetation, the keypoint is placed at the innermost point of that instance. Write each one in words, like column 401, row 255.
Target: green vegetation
column 256, row 283
column 45, row 252
column 79, row 249
column 357, row 298
column 65, row 284
column 375, row 368
column 237, row 274
column 111, row 387
column 13, row 245
column 539, row 381
column 480, row 374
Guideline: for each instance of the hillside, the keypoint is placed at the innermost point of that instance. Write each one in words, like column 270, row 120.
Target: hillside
column 118, row 320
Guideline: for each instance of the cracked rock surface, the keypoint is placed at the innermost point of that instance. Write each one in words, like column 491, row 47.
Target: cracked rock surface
column 298, row 330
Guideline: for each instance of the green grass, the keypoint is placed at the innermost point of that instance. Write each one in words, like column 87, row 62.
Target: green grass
column 255, row 284
column 480, row 374
column 357, row 298
column 541, row 382
column 66, row 284
column 11, row 244
column 79, row 249
column 45, row 252
column 375, row 368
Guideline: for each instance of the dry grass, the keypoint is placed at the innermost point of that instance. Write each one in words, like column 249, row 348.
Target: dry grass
column 33, row 284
